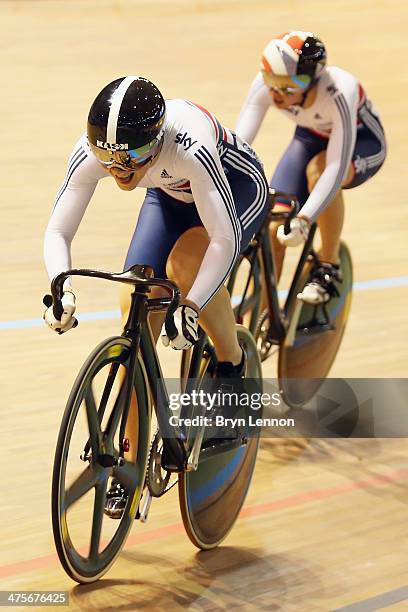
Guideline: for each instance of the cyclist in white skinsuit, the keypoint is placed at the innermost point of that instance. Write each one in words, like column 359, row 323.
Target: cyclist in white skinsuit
column 206, row 197
column 189, row 170
column 198, row 175
column 338, row 143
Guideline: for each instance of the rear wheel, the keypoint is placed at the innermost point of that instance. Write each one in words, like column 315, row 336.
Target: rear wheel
column 305, row 362
column 244, row 286
column 88, row 455
column 212, row 496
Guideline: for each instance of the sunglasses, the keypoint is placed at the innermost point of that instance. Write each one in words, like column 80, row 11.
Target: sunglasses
column 286, row 91
column 132, row 159
column 286, row 85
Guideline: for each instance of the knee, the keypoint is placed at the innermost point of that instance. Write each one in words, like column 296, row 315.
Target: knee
column 178, row 269
column 185, row 258
column 315, row 169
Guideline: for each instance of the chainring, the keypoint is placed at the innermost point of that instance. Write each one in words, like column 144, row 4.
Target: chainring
column 157, row 478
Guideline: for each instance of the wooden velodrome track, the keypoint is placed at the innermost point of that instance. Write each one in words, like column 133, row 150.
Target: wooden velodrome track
column 325, row 523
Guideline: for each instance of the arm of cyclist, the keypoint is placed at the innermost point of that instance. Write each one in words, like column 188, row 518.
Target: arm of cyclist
column 83, row 173
column 253, row 110
column 249, row 121
column 216, row 265
column 213, row 198
column 338, row 156
column 214, row 201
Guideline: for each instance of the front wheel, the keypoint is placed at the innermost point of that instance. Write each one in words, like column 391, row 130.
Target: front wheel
column 88, row 455
column 266, row 347
column 212, row 496
column 305, row 362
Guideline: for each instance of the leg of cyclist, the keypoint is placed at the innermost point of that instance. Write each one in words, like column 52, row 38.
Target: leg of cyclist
column 277, row 247
column 290, row 177
column 330, row 223
column 155, row 234
column 368, row 157
column 331, row 220
column 165, row 224
column 217, row 318
column 162, row 224
column 171, row 231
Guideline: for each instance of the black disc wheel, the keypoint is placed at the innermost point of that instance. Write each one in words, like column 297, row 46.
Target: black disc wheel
column 88, row 457
column 307, row 355
column 212, row 496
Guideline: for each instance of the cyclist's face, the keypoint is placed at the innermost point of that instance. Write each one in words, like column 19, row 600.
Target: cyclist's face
column 128, row 167
column 285, row 90
column 284, row 100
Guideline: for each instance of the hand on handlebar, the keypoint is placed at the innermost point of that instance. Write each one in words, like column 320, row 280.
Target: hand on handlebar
column 186, row 328
column 65, row 320
column 299, row 231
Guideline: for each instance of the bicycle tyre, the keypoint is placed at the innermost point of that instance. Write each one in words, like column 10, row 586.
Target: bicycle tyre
column 79, row 567
column 211, row 497
column 303, row 366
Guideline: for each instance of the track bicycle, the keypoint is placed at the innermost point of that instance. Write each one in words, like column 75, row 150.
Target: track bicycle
column 307, row 337
column 213, row 475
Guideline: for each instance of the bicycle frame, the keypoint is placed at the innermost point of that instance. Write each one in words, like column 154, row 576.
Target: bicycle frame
column 137, row 330
column 261, row 245
column 179, row 455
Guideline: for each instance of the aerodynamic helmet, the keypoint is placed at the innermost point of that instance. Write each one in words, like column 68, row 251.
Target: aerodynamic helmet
column 126, row 122
column 292, row 61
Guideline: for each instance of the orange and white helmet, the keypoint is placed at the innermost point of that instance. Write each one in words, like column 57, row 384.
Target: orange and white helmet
column 293, row 60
